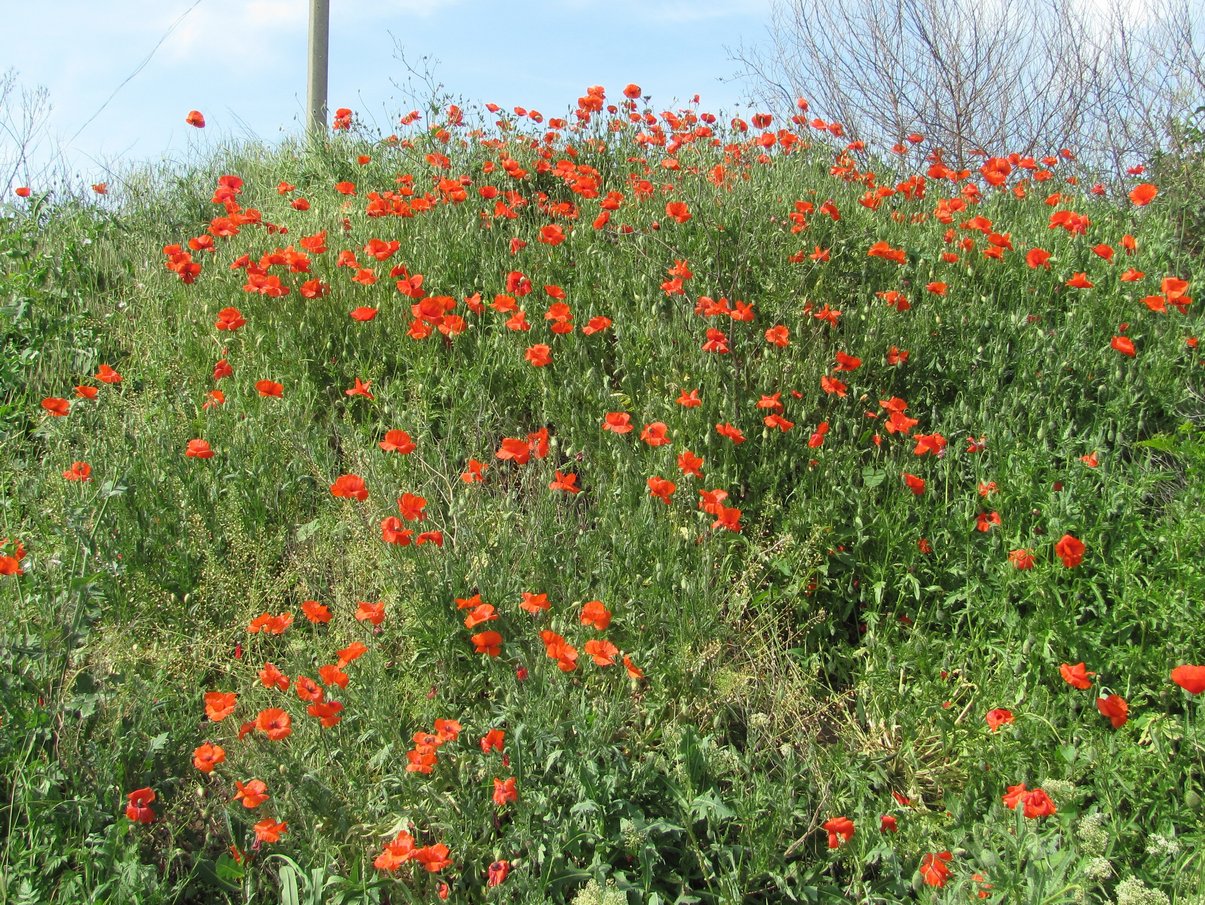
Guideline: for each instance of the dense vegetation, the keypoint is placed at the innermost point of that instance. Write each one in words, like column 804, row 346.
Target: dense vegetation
column 632, row 508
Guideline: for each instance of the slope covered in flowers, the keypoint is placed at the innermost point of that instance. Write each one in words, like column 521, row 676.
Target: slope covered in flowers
column 719, row 510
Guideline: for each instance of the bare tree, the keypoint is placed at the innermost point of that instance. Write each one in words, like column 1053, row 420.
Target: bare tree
column 24, row 117
column 1030, row 76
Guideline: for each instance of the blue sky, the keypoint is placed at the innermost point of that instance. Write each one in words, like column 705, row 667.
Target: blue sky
column 242, row 63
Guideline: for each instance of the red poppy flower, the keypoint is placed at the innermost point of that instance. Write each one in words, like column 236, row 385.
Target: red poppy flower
column 397, row 441
column 655, row 434
column 1115, row 709
column 56, row 406
column 79, row 471
column 269, row 830
column 230, row 319
column 220, row 704
column 494, row 740
column 350, row 486
column 505, row 791
column 730, row 431
column 888, row 824
column 363, row 314
column 271, row 677
column 596, row 614
column 198, row 449
column 317, row 613
column 275, row 723
column 1021, row 559
column 689, row 400
column 326, row 712
column 565, row 482
column 539, row 355
column 411, row 507
column 1124, row 345
column 1070, row 550
column 1190, row 678
column 601, row 651
column 488, row 643
column 474, row 472
column 139, row 807
column 252, row 794
column 207, row 756
column 933, row 868
column 195, row 119
column 1076, row 676
column 839, row 829
column 618, row 423
column 515, row 450
column 22, row 191
column 497, row 873
column 915, row 484
column 997, row 718
column 370, row 612
column 270, row 388
column 1143, row 194
column 1035, row 803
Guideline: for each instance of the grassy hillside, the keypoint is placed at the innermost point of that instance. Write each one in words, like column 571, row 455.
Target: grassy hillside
column 633, row 508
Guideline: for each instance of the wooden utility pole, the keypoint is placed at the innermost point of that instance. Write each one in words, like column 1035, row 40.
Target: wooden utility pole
column 320, row 15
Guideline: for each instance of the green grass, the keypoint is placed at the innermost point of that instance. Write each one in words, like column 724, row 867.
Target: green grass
column 834, row 656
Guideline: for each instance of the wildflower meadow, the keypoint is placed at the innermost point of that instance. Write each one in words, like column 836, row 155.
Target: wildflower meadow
column 634, row 506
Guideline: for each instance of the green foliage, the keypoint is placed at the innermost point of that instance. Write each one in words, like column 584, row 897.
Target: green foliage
column 835, row 655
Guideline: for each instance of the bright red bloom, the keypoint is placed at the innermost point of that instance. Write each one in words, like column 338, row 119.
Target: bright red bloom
column 198, row 449
column 139, row 807
column 397, row 441
column 275, row 723
column 565, row 482
column 79, row 471
column 370, row 612
column 1115, row 709
column 505, row 791
column 411, row 507
column 1021, row 559
column 601, row 651
column 514, row 449
column 208, row 756
column 351, row 487
column 494, row 740
column 595, row 613
column 839, row 829
column 655, row 434
column 252, row 794
column 1070, row 550
column 539, row 355
column 220, row 704
column 230, row 319
column 496, row 873
column 915, row 484
column 268, row 830
column 933, row 868
column 1190, row 678
column 731, row 432
column 488, row 643
column 998, row 717
column 317, row 613
column 1143, row 194
column 269, row 388
column 661, row 488
column 689, row 400
column 618, row 423
column 56, row 406
column 195, row 119
column 1124, row 345
column 1076, row 676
